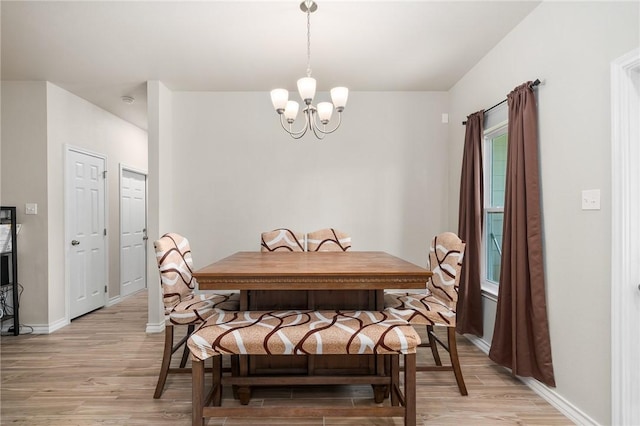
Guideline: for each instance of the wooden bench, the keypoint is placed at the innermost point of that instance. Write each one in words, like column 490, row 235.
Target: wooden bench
column 299, row 333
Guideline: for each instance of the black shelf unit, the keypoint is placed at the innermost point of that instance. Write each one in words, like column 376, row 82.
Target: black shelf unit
column 9, row 266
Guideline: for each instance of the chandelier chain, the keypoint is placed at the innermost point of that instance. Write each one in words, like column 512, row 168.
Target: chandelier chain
column 308, row 42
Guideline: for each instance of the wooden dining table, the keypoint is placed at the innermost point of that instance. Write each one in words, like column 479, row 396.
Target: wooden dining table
column 313, row 277
column 353, row 280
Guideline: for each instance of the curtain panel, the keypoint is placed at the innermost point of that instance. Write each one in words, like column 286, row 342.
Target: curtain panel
column 469, row 308
column 521, row 333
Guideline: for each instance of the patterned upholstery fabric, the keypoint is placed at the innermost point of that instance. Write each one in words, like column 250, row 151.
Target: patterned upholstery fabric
column 282, row 240
column 202, row 306
column 328, row 239
column 445, row 262
column 181, row 304
column 437, row 306
column 419, row 309
column 302, row 332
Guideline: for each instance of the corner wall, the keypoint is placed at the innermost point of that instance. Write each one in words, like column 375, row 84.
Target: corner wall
column 570, row 45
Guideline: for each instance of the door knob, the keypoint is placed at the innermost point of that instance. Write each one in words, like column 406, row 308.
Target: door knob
column 75, row 242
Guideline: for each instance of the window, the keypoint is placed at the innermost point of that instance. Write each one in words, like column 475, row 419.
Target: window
column 495, row 168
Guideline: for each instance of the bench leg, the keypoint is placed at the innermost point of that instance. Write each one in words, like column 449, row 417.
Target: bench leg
column 185, row 351
column 197, row 396
column 217, row 381
column 381, row 392
column 410, row 389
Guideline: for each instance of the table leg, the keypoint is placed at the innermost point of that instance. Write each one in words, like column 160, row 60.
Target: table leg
column 244, row 300
column 379, row 300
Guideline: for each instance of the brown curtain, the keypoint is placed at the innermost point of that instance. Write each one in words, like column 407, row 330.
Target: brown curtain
column 521, row 333
column 469, row 308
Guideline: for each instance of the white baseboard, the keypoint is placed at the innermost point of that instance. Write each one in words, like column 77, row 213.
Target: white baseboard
column 114, row 301
column 572, row 412
column 155, row 327
column 40, row 328
column 54, row 326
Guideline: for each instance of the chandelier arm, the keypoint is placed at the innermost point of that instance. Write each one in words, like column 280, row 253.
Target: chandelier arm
column 294, row 134
column 326, row 132
column 317, row 131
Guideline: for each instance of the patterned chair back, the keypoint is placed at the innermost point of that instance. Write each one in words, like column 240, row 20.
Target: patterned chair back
column 445, row 262
column 176, row 269
column 328, row 239
column 282, row 240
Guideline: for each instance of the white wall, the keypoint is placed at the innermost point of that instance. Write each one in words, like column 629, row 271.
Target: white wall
column 39, row 119
column 570, row 45
column 24, row 180
column 382, row 177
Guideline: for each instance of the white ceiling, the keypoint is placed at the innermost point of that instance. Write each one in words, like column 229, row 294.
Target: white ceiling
column 104, row 50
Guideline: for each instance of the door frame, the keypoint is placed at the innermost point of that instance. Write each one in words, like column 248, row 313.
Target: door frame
column 124, row 167
column 625, row 344
column 67, row 200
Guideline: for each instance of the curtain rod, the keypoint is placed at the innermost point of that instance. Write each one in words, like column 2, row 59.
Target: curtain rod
column 532, row 85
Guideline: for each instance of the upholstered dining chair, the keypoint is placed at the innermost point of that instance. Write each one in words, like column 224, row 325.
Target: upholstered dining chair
column 182, row 306
column 328, row 239
column 282, row 239
column 437, row 305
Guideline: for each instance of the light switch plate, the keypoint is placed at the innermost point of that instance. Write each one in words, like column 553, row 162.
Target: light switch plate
column 591, row 199
column 31, row 208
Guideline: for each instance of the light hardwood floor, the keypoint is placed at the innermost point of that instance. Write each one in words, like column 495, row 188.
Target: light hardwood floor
column 102, row 370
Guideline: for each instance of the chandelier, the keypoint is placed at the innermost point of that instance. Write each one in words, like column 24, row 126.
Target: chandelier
column 317, row 117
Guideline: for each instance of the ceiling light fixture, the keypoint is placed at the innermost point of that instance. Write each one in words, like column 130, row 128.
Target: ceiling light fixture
column 316, row 118
column 127, row 99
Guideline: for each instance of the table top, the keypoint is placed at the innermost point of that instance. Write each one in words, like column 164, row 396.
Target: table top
column 311, row 271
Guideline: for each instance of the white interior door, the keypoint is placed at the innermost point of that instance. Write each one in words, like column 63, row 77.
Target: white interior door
column 133, row 231
column 86, row 232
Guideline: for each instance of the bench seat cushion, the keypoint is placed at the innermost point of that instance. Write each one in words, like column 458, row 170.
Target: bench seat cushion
column 297, row 332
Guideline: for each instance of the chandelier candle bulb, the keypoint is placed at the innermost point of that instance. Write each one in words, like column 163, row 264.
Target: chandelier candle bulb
column 279, row 98
column 339, row 96
column 291, row 111
column 307, row 89
column 325, row 109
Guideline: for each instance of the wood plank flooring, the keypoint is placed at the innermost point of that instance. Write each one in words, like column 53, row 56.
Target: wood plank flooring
column 102, row 370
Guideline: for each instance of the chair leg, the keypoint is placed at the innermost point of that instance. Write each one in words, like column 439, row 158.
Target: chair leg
column 410, row 389
column 185, row 351
column 433, row 345
column 197, row 393
column 166, row 360
column 455, row 362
